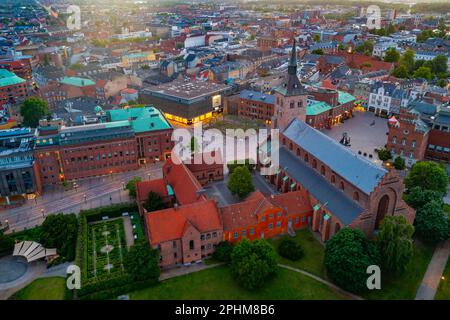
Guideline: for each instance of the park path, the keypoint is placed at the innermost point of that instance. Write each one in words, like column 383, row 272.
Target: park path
column 329, row 284
column 181, row 271
column 430, row 283
column 128, row 231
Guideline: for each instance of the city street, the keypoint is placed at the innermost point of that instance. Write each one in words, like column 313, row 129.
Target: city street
column 89, row 193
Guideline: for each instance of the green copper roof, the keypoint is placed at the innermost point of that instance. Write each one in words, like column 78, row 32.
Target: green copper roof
column 142, row 119
column 345, row 97
column 78, row 82
column 8, row 78
column 316, row 108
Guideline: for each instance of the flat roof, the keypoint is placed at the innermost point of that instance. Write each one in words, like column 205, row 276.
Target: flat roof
column 78, row 82
column 8, row 78
column 142, row 119
column 187, row 88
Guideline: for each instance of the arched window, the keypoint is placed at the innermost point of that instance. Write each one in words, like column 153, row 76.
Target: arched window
column 322, row 170
column 290, row 146
column 356, row 196
column 306, row 157
column 333, row 179
column 314, row 163
column 342, row 185
column 284, row 141
column 298, row 152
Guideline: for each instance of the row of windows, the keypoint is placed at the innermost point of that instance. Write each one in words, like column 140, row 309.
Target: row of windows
column 270, row 216
column 403, row 142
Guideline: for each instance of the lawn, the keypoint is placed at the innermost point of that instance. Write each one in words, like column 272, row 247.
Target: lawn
column 405, row 285
column 218, row 283
column 52, row 288
column 312, row 261
column 443, row 292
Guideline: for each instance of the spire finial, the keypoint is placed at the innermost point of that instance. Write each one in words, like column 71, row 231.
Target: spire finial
column 292, row 67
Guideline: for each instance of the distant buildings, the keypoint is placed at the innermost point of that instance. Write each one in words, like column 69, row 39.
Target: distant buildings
column 13, row 89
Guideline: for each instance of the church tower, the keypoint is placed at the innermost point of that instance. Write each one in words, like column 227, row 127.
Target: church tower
column 291, row 97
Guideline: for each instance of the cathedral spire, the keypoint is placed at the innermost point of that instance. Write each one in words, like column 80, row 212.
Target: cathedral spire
column 292, row 67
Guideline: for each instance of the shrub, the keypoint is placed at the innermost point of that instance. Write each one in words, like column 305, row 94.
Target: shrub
column 432, row 222
column 399, row 163
column 384, row 154
column 290, row 249
column 252, row 263
column 141, row 261
column 223, row 251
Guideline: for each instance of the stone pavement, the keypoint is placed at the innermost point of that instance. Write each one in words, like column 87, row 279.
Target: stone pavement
column 430, row 283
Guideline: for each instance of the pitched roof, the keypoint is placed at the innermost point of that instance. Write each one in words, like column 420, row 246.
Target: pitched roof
column 77, row 82
column 8, row 78
column 257, row 96
column 143, row 188
column 183, row 182
column 170, row 224
column 358, row 171
column 336, row 201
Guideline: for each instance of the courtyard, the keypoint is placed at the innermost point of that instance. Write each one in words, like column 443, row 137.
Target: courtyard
column 366, row 131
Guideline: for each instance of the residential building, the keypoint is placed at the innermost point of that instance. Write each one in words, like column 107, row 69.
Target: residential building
column 13, row 89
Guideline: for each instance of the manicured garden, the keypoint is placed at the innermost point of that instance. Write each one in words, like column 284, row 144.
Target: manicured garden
column 52, row 288
column 218, row 283
column 106, row 247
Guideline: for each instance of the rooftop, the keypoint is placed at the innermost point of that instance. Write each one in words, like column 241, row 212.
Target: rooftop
column 78, row 82
column 142, row 119
column 317, row 107
column 8, row 78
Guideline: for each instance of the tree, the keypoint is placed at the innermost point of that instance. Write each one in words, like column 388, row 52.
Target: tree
column 154, row 202
column 347, row 256
column 316, row 38
column 442, row 83
column 417, row 198
column 240, row 182
column 423, row 72
column 252, row 263
column 440, row 64
column 60, row 231
column 223, row 251
column 399, row 163
column 131, row 186
column 400, row 72
column 290, row 249
column 407, row 60
column 141, row 261
column 6, row 243
column 384, row 154
column 432, row 222
column 395, row 244
column 32, row 110
column 318, row 51
column 249, row 163
column 427, row 175
column 391, row 55
column 365, row 47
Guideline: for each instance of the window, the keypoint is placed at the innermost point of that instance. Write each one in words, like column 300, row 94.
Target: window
column 296, row 220
column 263, row 218
column 356, row 196
column 413, row 144
column 214, row 234
column 208, row 236
column 202, row 237
column 322, row 170
column 271, row 216
column 278, row 224
column 394, row 140
column 314, row 163
column 342, row 185
column 244, row 232
column 174, row 244
column 252, row 231
column 306, row 157
column 279, row 214
column 403, row 141
column 270, row 226
column 333, row 179
column 235, row 235
column 191, row 245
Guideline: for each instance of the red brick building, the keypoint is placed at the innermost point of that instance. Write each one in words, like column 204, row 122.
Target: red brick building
column 261, row 216
column 255, row 105
column 13, row 89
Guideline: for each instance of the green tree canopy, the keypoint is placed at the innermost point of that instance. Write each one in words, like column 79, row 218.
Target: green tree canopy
column 131, row 186
column 290, row 249
column 141, row 261
column 417, row 197
column 318, row 51
column 32, row 110
column 400, row 72
column 252, row 263
column 432, row 222
column 399, row 163
column 423, row 72
column 395, row 244
column 365, row 46
column 347, row 256
column 223, row 251
column 440, row 64
column 427, row 175
column 60, row 231
column 154, row 202
column 391, row 55
column 240, row 182
column 407, row 60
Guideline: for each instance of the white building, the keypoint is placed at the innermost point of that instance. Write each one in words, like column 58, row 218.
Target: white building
column 194, row 41
column 379, row 49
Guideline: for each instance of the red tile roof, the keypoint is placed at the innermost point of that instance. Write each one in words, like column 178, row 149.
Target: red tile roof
column 245, row 214
column 170, row 224
column 183, row 182
column 143, row 188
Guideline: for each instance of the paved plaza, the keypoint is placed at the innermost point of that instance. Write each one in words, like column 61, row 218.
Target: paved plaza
column 366, row 131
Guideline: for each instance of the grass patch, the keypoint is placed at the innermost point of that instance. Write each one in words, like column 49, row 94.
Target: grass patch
column 52, row 288
column 218, row 283
column 312, row 260
column 443, row 292
column 405, row 285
